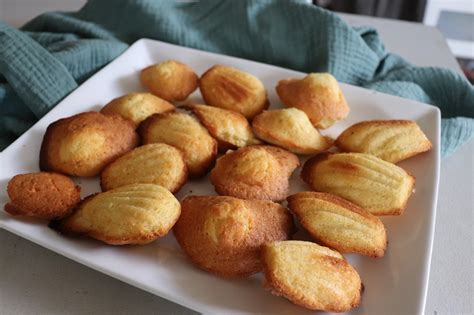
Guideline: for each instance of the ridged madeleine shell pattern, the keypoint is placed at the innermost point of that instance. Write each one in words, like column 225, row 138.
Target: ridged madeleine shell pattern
column 184, row 132
column 378, row 186
column 339, row 224
column 132, row 214
column 154, row 163
column 137, row 107
column 291, row 129
column 233, row 89
column 231, row 129
column 312, row 276
column 390, row 140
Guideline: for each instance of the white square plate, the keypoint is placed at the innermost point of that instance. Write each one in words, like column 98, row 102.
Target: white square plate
column 396, row 284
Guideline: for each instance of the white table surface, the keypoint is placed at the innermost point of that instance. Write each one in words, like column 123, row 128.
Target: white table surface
column 34, row 280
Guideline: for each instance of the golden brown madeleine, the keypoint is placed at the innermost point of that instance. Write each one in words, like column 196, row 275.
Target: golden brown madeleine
column 224, row 235
column 132, row 214
column 378, row 186
column 291, row 129
column 83, row 144
column 390, row 140
column 154, row 163
column 254, row 172
column 137, row 106
column 42, row 195
column 311, row 276
column 185, row 133
column 233, row 89
column 171, row 80
column 318, row 95
column 231, row 129
column 339, row 224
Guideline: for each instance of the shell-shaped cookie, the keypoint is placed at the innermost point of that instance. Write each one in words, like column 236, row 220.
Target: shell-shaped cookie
column 231, row 129
column 42, row 195
column 132, row 214
column 290, row 129
column 137, row 106
column 224, row 235
column 82, row 145
column 254, row 172
column 390, row 140
column 233, row 89
column 318, row 95
column 378, row 186
column 311, row 276
column 339, row 224
column 185, row 133
column 171, row 80
column 154, row 163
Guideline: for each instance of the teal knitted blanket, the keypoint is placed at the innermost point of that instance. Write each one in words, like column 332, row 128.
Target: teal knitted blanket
column 51, row 55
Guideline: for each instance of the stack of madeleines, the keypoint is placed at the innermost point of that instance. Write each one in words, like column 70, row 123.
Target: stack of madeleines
column 145, row 149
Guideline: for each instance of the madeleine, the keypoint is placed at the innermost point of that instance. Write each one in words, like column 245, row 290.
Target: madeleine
column 229, row 128
column 154, row 163
column 82, row 145
column 233, row 89
column 339, row 224
column 311, row 276
column 290, row 129
column 225, row 235
column 255, row 172
column 42, row 195
column 137, row 106
column 318, row 95
column 171, row 80
column 185, row 133
column 380, row 187
column 390, row 140
column 132, row 214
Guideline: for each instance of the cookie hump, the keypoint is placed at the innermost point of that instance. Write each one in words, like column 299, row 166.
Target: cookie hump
column 43, row 195
column 83, row 144
column 254, row 172
column 171, row 80
column 225, row 235
column 318, row 95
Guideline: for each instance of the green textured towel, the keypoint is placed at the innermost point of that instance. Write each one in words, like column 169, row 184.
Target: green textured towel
column 47, row 59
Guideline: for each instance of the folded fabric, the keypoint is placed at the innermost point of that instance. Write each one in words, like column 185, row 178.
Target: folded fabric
column 47, row 59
